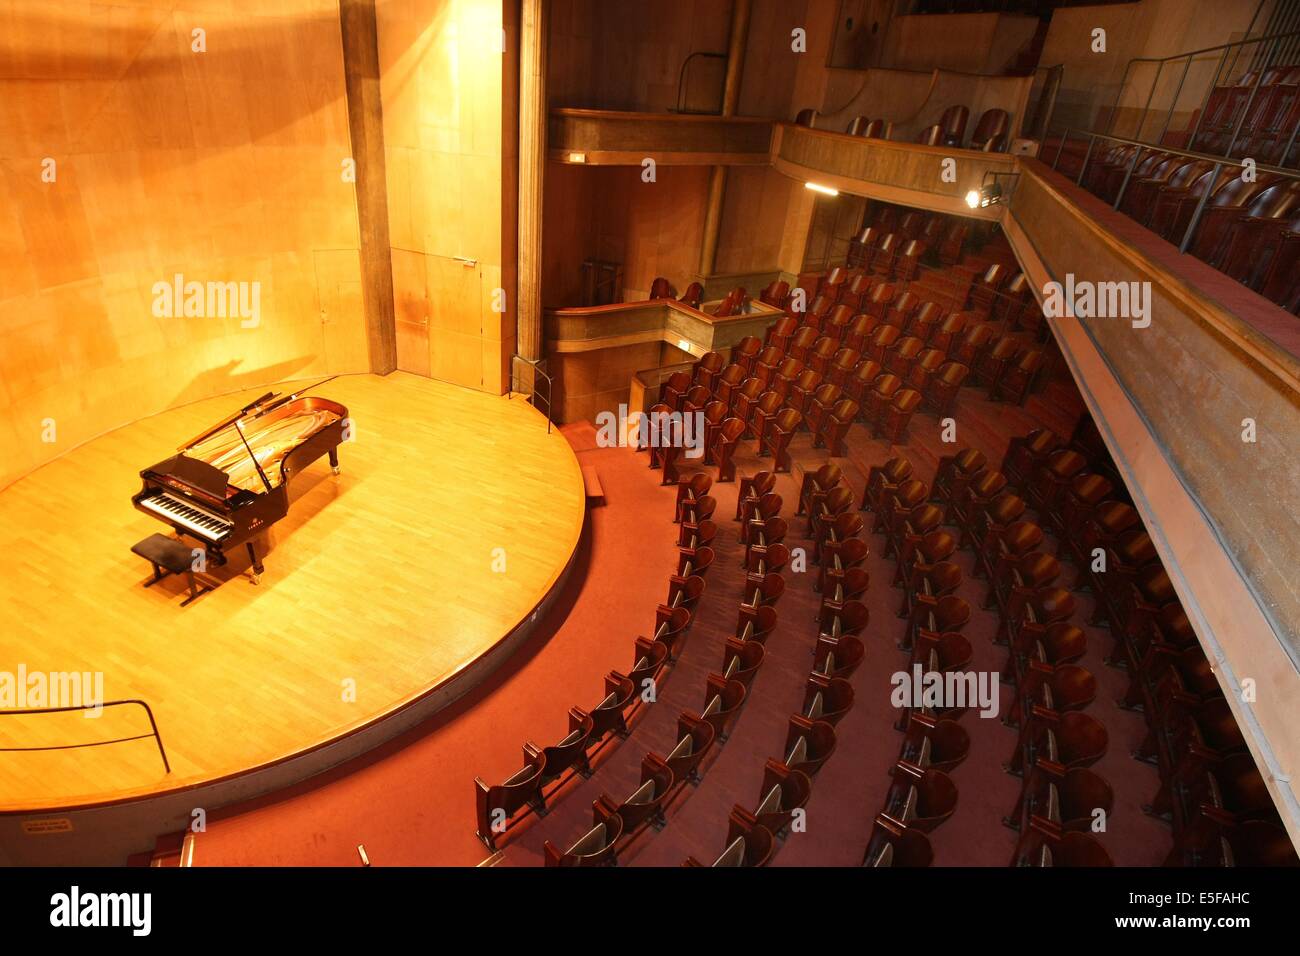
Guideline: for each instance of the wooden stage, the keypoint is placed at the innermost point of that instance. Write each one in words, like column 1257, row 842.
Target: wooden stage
column 380, row 580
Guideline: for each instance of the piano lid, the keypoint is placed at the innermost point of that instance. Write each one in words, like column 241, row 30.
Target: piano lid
column 196, row 474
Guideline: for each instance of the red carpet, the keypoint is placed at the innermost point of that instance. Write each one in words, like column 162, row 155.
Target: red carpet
column 412, row 801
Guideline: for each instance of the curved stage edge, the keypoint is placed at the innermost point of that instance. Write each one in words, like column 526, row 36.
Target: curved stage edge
column 105, row 827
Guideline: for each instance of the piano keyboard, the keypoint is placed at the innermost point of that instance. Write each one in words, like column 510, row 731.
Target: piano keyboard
column 196, row 520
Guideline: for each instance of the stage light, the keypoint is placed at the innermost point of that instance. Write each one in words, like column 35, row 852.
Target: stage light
column 989, row 194
column 819, row 188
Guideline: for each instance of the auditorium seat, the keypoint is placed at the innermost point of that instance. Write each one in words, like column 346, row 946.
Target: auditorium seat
column 495, row 805
column 778, row 435
column 893, row 421
column 673, row 392
column 901, row 309
column 783, row 792
column 722, row 700
column 827, row 698
column 742, row 659
column 693, row 296
column 894, row 844
column 607, row 716
column 944, row 386
column 931, row 617
column 1068, row 798
column 1045, row 844
column 834, row 425
column 764, row 412
column 569, row 753
column 778, row 338
column 946, row 333
column 985, row 290
column 747, row 844
column 695, row 738
column 991, row 131
column 838, row 657
column 907, row 264
column 594, row 848
column 1070, row 738
column 930, row 743
column 645, row 805
column 920, row 799
column 707, row 369
column 775, row 293
column 802, row 341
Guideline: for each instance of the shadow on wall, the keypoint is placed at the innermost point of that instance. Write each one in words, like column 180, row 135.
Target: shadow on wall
column 133, row 149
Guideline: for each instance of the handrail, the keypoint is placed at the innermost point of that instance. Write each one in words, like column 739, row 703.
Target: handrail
column 536, row 366
column 1176, row 151
column 1045, row 107
column 681, row 82
column 1218, row 161
column 99, row 743
column 1189, row 56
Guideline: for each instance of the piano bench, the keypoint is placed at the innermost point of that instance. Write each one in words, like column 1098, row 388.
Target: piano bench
column 168, row 554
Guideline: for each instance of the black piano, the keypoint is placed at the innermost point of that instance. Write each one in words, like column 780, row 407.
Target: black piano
column 231, row 482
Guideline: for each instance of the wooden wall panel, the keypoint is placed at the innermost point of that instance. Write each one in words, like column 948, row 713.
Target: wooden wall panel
column 442, row 74
column 627, row 56
column 608, row 212
column 223, row 165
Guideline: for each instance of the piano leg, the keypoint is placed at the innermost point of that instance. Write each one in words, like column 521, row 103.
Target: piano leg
column 334, row 460
column 257, row 564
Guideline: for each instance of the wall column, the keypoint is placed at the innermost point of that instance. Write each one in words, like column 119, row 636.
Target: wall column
column 532, row 171
column 730, row 97
column 366, row 126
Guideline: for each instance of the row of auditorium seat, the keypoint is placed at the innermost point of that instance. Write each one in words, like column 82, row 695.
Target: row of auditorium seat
column 921, row 795
column 1192, row 736
column 823, row 371
column 787, row 781
column 735, row 302
column 1262, row 111
column 615, row 823
column 990, row 134
column 911, row 519
column 1249, row 230
column 546, row 770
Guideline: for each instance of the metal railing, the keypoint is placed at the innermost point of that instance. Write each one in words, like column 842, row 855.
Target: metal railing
column 682, row 85
column 1045, row 106
column 1276, row 41
column 1219, row 163
column 153, row 724
column 539, row 377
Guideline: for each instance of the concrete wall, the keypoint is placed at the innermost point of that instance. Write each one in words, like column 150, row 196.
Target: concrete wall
column 223, row 166
column 965, row 42
column 451, row 147
column 1150, row 28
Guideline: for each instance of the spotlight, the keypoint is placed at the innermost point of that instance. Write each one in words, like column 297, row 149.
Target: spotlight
column 989, row 194
column 819, row 188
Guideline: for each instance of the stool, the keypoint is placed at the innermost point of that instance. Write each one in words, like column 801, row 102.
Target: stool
column 168, row 553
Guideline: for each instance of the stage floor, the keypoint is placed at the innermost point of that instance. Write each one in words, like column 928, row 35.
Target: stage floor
column 379, row 586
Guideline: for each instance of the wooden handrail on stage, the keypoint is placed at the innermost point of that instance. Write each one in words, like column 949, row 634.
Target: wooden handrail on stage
column 153, row 724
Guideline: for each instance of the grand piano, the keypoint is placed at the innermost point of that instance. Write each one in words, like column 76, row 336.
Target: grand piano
column 230, row 483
